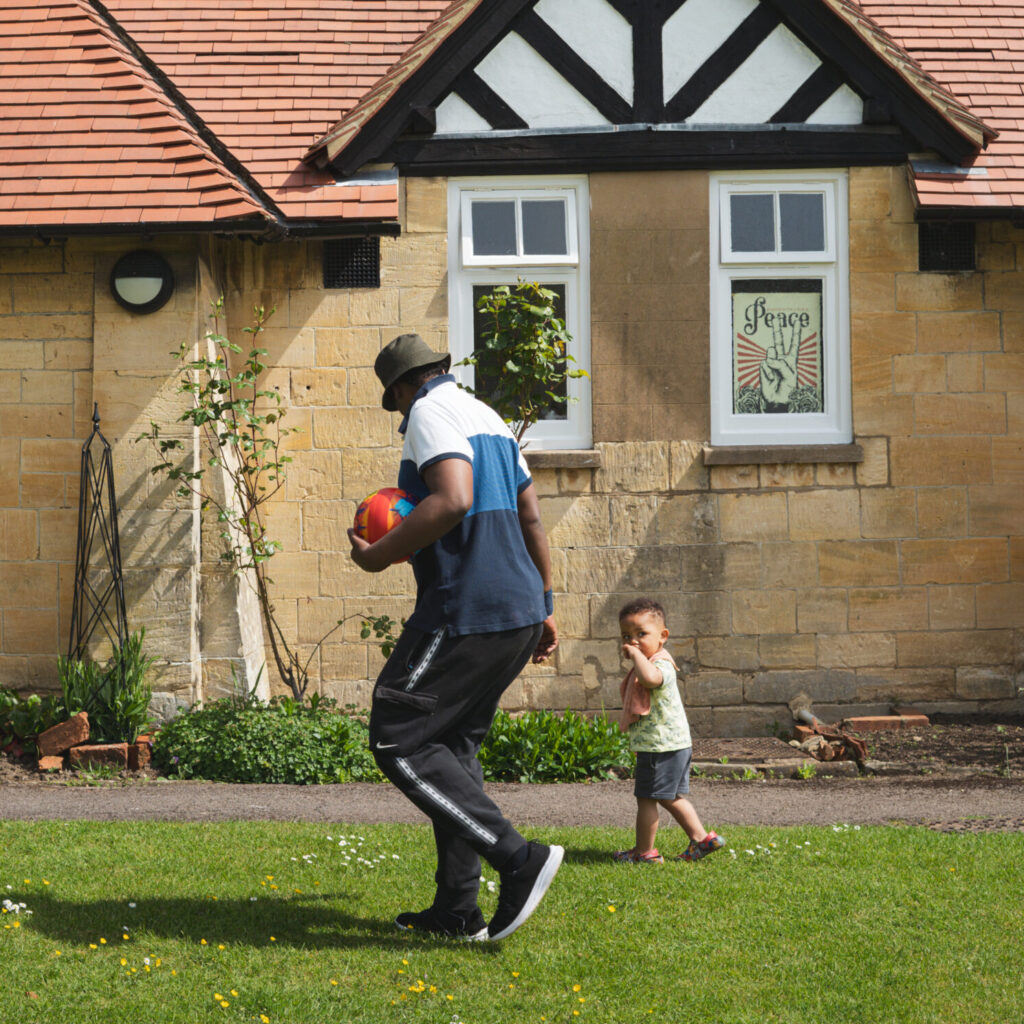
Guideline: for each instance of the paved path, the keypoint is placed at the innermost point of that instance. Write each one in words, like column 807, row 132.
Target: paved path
column 857, row 801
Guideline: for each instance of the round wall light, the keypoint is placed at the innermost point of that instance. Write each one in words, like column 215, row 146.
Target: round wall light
column 142, row 281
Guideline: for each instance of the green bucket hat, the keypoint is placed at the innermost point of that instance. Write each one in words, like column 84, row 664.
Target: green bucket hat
column 399, row 356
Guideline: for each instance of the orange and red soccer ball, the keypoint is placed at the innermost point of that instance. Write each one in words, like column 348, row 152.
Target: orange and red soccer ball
column 381, row 512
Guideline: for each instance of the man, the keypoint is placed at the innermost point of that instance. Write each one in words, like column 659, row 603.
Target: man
column 483, row 610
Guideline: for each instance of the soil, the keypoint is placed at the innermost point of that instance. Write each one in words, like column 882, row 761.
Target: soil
column 957, row 775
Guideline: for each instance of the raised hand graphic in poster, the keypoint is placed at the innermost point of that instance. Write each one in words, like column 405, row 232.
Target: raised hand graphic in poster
column 777, row 346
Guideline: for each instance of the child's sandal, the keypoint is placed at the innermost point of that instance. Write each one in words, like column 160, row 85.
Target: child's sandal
column 632, row 857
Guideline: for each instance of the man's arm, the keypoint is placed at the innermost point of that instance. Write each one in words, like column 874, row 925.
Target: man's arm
column 450, row 498
column 536, row 540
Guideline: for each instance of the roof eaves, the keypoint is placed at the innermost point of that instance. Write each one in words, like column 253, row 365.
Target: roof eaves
column 929, row 89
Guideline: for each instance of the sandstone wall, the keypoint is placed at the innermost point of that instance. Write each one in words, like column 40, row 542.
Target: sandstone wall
column 899, row 579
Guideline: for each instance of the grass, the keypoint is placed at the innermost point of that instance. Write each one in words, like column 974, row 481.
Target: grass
column 287, row 926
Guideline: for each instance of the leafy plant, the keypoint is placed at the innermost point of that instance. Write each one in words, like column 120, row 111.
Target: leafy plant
column 240, row 422
column 806, row 771
column 23, row 720
column 283, row 741
column 523, row 363
column 115, row 696
column 542, row 746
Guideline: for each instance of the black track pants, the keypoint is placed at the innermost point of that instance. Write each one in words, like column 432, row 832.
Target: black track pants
column 432, row 706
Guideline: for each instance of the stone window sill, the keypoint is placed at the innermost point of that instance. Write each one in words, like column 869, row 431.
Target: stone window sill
column 577, row 459
column 762, row 455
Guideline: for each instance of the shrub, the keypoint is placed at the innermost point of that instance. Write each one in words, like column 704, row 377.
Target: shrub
column 542, row 746
column 284, row 741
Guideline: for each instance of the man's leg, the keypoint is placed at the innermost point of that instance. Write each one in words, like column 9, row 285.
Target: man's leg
column 433, row 689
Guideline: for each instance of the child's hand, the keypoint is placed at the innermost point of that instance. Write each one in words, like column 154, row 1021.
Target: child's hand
column 631, row 651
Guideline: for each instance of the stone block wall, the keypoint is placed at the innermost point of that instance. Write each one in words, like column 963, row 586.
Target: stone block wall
column 898, row 579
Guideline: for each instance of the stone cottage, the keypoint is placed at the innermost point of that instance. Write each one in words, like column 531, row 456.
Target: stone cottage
column 785, row 237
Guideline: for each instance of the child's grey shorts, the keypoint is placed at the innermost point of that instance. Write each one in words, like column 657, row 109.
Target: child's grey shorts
column 662, row 775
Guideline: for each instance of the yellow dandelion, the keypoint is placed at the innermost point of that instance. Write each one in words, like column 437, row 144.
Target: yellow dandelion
column 234, row 992
column 148, row 969
column 124, row 936
column 221, row 946
column 611, row 909
column 273, row 887
column 272, row 939
column 217, row 996
column 576, row 988
column 17, row 924
column 433, row 988
column 406, row 962
column 264, row 1018
column 174, row 973
column 103, row 942
column 515, row 974
column 56, row 952
column 124, row 963
column 575, row 1013
column 158, row 961
column 582, row 1000
column 270, row 878
column 333, row 981
column 45, row 882
column 92, row 945
column 202, row 942
column 450, row 998
column 400, row 971
column 225, row 1004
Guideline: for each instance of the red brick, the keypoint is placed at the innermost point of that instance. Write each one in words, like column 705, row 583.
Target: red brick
column 51, row 764
column 139, row 754
column 102, row 753
column 63, row 736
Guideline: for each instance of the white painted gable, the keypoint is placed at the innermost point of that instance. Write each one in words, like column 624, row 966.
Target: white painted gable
column 540, row 97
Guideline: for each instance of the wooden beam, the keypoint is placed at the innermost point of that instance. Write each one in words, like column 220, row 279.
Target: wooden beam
column 722, row 64
column 576, row 71
column 553, row 153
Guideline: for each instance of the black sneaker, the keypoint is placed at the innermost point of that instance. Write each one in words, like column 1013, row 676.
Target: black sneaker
column 433, row 921
column 522, row 890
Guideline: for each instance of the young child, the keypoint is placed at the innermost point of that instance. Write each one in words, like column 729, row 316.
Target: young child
column 653, row 715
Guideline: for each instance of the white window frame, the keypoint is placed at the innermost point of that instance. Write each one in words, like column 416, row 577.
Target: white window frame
column 831, row 266
column 465, row 270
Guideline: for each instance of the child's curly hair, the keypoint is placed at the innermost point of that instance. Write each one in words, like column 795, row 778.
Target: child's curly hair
column 641, row 606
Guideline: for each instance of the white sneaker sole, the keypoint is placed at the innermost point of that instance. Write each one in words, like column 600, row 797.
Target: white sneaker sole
column 480, row 936
column 540, row 886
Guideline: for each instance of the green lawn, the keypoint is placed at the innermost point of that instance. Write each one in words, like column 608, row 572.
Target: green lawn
column 282, row 923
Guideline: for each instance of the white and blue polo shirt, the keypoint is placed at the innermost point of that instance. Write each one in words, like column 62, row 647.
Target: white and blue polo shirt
column 479, row 577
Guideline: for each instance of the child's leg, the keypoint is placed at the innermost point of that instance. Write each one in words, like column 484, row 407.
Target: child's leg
column 646, row 823
column 683, row 811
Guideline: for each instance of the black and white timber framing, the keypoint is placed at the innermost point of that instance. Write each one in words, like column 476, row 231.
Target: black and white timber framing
column 578, row 85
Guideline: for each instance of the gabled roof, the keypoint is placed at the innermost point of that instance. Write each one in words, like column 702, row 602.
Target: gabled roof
column 87, row 137
column 160, row 113
column 467, row 68
column 977, row 49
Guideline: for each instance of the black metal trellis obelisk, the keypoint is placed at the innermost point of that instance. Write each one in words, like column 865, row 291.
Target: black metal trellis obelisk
column 99, row 584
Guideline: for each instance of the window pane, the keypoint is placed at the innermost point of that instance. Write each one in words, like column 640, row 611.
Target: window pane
column 777, row 346
column 494, row 228
column 753, row 222
column 544, row 227
column 803, row 221
column 490, row 374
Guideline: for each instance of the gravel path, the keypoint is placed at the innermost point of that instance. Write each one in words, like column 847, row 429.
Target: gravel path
column 955, row 804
